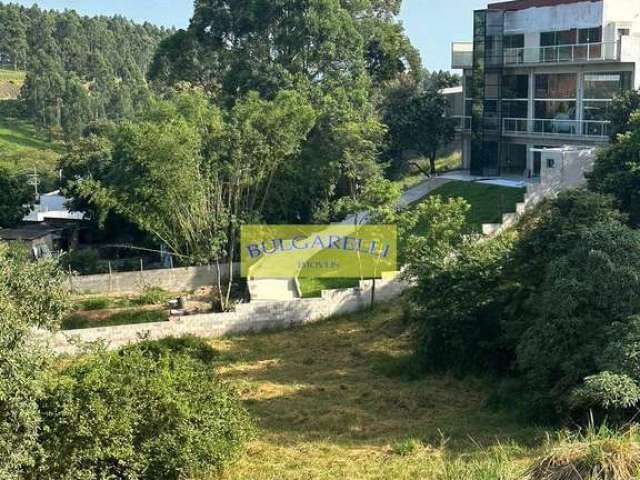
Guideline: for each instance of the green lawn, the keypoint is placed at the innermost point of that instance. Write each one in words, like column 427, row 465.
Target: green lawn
column 332, row 401
column 24, row 148
column 16, row 76
column 312, row 287
column 488, row 202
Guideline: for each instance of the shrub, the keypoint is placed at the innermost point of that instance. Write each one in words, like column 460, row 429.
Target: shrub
column 583, row 294
column 94, row 303
column 608, row 391
column 151, row 296
column 190, row 345
column 128, row 317
column 596, row 454
column 31, row 296
column 128, row 414
column 84, row 262
column 458, row 310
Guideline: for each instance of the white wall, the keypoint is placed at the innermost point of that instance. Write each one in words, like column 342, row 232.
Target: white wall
column 247, row 318
column 561, row 17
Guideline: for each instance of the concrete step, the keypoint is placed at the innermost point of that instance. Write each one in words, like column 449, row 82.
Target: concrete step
column 489, row 229
column 273, row 289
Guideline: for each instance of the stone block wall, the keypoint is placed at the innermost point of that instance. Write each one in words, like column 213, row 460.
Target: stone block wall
column 247, row 318
column 172, row 280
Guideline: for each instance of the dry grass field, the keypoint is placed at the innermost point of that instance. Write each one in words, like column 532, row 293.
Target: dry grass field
column 332, row 402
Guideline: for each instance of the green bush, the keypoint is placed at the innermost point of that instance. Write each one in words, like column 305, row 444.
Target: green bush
column 32, row 296
column 607, row 390
column 151, row 296
column 190, row 345
column 132, row 415
column 458, row 310
column 78, row 321
column 94, row 303
column 85, row 262
column 545, row 307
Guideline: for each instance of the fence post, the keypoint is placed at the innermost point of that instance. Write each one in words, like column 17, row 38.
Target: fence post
column 110, row 277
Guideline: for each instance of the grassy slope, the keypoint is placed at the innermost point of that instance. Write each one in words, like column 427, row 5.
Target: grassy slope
column 327, row 410
column 22, row 146
column 7, row 75
column 488, row 202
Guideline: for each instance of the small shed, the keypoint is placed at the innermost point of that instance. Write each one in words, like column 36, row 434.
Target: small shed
column 41, row 240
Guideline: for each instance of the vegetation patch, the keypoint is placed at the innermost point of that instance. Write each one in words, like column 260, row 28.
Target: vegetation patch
column 79, row 321
column 140, row 413
column 312, row 287
column 325, row 413
column 597, row 454
column 488, row 202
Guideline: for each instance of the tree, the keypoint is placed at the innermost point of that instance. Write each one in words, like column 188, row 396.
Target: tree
column 620, row 113
column 31, row 296
column 617, row 171
column 417, row 122
column 189, row 174
column 16, row 197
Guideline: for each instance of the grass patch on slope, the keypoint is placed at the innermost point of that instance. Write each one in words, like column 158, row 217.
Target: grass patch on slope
column 332, row 401
column 488, row 202
column 312, row 287
column 9, row 75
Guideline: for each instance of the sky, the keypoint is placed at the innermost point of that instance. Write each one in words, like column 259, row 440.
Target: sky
column 431, row 24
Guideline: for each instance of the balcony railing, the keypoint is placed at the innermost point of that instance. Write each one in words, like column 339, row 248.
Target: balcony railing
column 462, row 123
column 578, row 53
column 556, row 128
column 461, row 54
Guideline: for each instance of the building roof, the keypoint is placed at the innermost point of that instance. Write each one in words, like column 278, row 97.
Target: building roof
column 451, row 90
column 524, row 4
column 27, row 234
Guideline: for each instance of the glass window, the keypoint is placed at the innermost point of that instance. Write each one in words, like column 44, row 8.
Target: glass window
column 515, row 108
column 514, row 41
column 555, row 110
column 605, row 86
column 513, row 159
column 596, row 110
column 590, row 35
column 515, row 86
column 562, row 85
column 563, row 37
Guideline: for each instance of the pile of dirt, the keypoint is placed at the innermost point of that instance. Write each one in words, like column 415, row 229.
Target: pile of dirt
column 9, row 90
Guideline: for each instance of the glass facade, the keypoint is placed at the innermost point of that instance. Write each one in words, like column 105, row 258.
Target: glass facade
column 504, row 103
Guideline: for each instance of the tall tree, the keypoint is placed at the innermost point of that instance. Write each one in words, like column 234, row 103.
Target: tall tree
column 189, row 174
column 16, row 197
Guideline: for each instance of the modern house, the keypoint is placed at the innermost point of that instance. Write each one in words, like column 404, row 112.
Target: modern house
column 541, row 74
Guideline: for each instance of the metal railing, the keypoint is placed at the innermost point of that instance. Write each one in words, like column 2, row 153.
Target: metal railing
column 462, row 123
column 553, row 127
column 461, row 54
column 577, row 53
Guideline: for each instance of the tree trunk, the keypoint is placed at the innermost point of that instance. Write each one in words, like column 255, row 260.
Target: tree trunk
column 432, row 163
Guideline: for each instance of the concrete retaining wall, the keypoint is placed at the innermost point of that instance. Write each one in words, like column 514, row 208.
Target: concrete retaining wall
column 172, row 280
column 247, row 318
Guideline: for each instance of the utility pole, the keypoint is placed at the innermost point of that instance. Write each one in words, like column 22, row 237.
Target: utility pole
column 35, row 181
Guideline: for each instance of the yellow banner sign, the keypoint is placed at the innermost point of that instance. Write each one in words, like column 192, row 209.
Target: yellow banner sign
column 318, row 251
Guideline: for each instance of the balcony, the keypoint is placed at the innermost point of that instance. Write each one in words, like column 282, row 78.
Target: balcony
column 591, row 129
column 461, row 55
column 563, row 54
column 463, row 124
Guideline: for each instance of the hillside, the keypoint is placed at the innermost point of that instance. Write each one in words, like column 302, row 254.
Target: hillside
column 331, row 402
column 10, row 84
